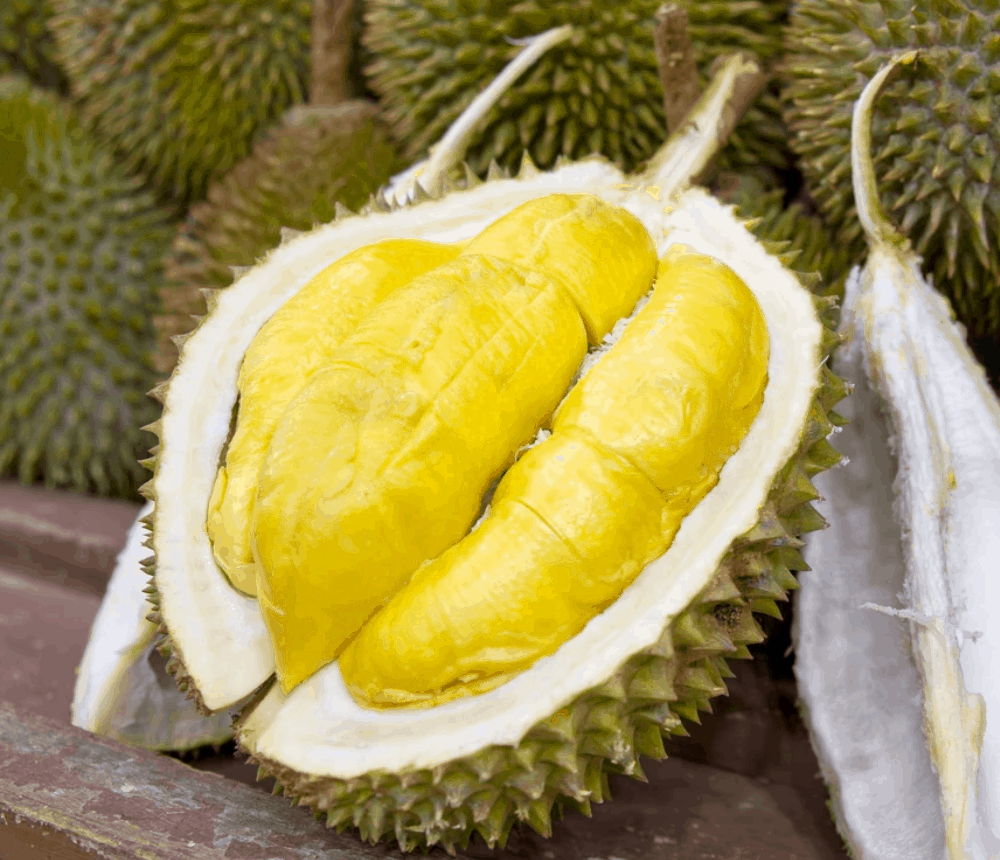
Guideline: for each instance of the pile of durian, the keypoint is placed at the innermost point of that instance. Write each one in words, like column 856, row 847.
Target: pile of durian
column 492, row 405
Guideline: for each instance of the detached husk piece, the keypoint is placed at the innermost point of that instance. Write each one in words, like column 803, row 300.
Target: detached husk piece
column 549, row 736
column 897, row 696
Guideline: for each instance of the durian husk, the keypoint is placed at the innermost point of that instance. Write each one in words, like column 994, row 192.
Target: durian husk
column 299, row 173
column 602, row 729
column 799, row 235
column 122, row 689
column 908, row 583
column 666, row 669
column 25, row 43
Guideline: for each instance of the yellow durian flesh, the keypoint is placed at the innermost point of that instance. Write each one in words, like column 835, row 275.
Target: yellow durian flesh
column 381, row 462
column 290, row 347
column 603, row 239
column 635, row 446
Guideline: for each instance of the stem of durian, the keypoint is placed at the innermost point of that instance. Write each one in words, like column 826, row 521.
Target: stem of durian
column 448, row 151
column 331, row 52
column 690, row 150
column 872, row 216
column 675, row 58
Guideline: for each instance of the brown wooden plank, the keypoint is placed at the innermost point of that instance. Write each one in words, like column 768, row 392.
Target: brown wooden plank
column 67, row 794
column 68, row 538
column 43, row 631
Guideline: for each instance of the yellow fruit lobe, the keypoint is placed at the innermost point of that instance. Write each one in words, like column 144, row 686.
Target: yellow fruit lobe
column 287, row 351
column 382, row 460
column 635, row 446
column 604, row 238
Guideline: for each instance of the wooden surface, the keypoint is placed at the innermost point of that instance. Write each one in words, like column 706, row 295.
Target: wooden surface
column 743, row 786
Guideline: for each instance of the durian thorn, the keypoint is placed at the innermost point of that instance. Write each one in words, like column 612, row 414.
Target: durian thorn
column 874, row 220
column 450, row 150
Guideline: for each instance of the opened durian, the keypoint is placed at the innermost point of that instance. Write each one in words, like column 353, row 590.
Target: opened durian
column 598, row 93
column 937, row 143
column 179, row 89
column 487, row 747
column 80, row 245
column 905, row 577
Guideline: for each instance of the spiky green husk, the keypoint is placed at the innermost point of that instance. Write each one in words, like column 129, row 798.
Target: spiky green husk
column 297, row 175
column 598, row 92
column 180, row 89
column 81, row 248
column 25, row 43
column 934, row 130
column 800, row 237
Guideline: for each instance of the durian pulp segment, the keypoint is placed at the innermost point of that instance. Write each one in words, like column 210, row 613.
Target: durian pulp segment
column 318, row 729
column 284, row 355
column 635, row 445
column 382, row 461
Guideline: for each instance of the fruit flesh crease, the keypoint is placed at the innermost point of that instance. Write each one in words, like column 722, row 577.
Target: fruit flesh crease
column 577, row 518
column 296, row 342
column 380, row 463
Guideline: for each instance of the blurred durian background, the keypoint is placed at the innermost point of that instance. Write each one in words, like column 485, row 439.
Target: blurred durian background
column 148, row 147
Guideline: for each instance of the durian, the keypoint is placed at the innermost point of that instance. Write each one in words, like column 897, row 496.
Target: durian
column 937, row 143
column 598, row 93
column 896, row 649
column 80, row 246
column 179, row 89
column 657, row 654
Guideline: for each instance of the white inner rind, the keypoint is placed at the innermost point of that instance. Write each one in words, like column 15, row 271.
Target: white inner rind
column 320, row 730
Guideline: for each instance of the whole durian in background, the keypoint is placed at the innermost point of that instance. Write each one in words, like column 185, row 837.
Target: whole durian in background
column 935, row 132
column 599, row 92
column 80, row 246
column 25, row 43
column 180, row 90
